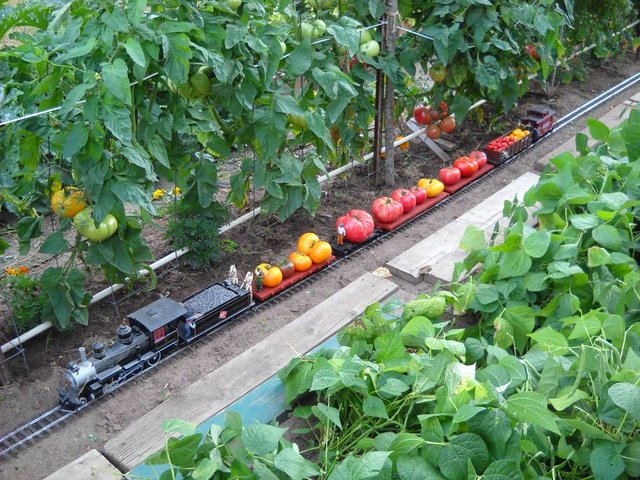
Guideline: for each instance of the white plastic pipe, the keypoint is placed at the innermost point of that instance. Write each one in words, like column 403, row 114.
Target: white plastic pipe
column 244, row 218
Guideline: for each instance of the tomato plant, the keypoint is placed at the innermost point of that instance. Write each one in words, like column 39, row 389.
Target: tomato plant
column 358, row 224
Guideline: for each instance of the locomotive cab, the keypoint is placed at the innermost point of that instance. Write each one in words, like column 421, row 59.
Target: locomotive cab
column 159, row 321
column 540, row 119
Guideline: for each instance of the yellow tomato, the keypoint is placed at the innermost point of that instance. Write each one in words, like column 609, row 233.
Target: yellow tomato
column 68, row 202
column 433, row 186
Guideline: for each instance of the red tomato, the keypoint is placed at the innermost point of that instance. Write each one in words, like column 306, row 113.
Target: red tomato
column 448, row 124
column 466, row 166
column 386, row 209
column 358, row 224
column 422, row 115
column 479, row 157
column 434, row 131
column 420, row 194
column 532, row 51
column 406, row 198
column 449, row 176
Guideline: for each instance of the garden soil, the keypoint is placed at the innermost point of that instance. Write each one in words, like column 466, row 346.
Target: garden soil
column 35, row 389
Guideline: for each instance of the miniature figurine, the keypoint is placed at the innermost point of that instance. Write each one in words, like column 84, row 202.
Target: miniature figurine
column 259, row 279
column 248, row 281
column 233, row 275
column 341, row 232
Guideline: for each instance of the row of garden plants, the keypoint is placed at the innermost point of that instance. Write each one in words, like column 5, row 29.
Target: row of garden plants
column 150, row 89
column 544, row 384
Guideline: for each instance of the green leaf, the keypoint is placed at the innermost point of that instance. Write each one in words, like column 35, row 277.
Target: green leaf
column 537, row 244
column 354, row 468
column 323, row 411
column 597, row 129
column 503, row 469
column 176, row 425
column 261, row 439
column 607, row 236
column 374, row 407
column 55, row 244
column 456, row 453
column 564, row 402
column 412, row 467
column 416, row 331
column 605, row 461
column 294, row 465
column 393, row 386
column 597, row 256
column 627, row 397
column 76, row 140
column 531, row 408
column 513, row 264
column 205, row 469
column 299, row 61
column 179, row 452
column 234, row 34
column 116, row 80
column 473, row 239
column 466, row 412
column 405, row 442
column 135, row 51
column 323, row 379
column 550, row 340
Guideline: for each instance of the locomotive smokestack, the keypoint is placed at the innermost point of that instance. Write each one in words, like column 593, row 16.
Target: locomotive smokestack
column 83, row 355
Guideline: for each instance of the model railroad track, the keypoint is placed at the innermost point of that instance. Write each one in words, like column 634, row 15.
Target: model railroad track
column 32, row 430
column 39, row 426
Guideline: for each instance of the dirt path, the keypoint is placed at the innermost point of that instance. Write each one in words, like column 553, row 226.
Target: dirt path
column 263, row 240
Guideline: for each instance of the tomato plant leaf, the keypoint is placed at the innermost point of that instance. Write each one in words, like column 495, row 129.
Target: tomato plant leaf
column 261, row 439
column 299, row 61
column 55, row 244
column 177, row 54
column 135, row 51
column 531, row 408
column 116, row 80
column 75, row 140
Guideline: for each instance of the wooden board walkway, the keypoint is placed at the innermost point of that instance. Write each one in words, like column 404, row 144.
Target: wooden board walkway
column 437, row 254
column 90, row 466
column 214, row 392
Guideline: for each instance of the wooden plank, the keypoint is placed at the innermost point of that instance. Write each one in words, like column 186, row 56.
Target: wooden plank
column 437, row 254
column 414, row 127
column 90, row 466
column 214, row 392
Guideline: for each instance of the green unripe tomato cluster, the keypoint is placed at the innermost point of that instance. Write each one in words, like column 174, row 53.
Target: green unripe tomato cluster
column 83, row 221
column 313, row 30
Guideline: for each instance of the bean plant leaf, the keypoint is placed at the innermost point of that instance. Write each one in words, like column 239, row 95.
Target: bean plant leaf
column 627, row 397
column 537, row 244
column 360, row 468
column 294, row 465
column 531, row 408
column 413, row 467
column 514, row 264
column 598, row 129
column 503, row 469
column 456, row 453
column 550, row 340
column 607, row 236
column 416, row 331
column 473, row 239
column 261, row 439
column 598, row 256
column 605, row 461
column 323, row 379
column 323, row 411
column 374, row 407
column 584, row 221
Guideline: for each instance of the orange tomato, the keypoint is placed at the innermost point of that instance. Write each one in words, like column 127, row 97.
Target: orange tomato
column 402, row 146
column 433, row 186
column 320, row 252
column 307, row 241
column 301, row 261
column 68, row 202
column 273, row 277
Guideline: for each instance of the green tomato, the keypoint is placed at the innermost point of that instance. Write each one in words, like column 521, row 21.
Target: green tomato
column 83, row 221
column 306, row 30
column 319, row 27
column 283, row 46
column 298, row 121
column 370, row 49
column 365, row 36
column 234, row 4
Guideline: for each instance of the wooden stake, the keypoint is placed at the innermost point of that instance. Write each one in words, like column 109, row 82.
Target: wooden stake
column 389, row 45
column 5, row 377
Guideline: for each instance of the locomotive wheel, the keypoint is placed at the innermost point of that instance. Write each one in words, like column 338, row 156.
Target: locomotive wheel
column 154, row 360
column 83, row 401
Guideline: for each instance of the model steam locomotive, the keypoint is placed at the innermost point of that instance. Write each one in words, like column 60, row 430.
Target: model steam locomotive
column 149, row 333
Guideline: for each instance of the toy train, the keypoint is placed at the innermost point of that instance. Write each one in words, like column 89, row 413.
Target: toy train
column 166, row 325
column 151, row 332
